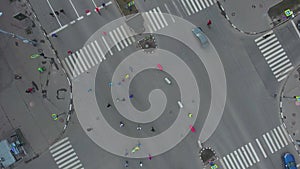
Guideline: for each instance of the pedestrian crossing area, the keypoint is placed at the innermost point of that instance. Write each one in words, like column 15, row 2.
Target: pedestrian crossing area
column 155, row 20
column 274, row 55
column 194, row 6
column 64, row 155
column 95, row 52
column 247, row 155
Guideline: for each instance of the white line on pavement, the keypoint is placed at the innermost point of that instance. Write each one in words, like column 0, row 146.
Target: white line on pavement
column 234, row 160
column 84, row 58
column 230, row 161
column 268, row 144
column 285, row 133
column 126, row 35
column 239, row 159
column 253, row 151
column 249, row 152
column 118, row 39
column 96, row 51
column 81, row 61
column 101, row 52
column 275, row 139
column 122, row 37
column 247, row 156
column 261, row 148
column 151, row 23
column 162, row 16
column 243, row 158
column 222, row 163
column 271, row 141
column 282, row 136
column 108, row 48
column 114, row 40
column 88, row 55
column 92, row 54
column 169, row 13
column 297, row 31
column 74, row 8
column 176, row 7
column 74, row 64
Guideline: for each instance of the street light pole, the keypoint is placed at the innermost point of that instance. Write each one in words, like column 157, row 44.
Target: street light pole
column 24, row 40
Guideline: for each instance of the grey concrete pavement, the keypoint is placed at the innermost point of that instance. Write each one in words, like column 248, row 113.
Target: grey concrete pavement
column 289, row 106
column 29, row 112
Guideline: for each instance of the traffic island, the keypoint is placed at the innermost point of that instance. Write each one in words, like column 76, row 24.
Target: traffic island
column 148, row 43
column 127, row 7
column 208, row 156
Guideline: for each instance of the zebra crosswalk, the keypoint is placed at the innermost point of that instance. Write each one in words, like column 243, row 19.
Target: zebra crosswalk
column 246, row 156
column 93, row 53
column 154, row 19
column 275, row 55
column 64, row 155
column 194, row 6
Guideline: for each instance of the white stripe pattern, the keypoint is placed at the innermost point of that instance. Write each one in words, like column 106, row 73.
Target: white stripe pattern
column 93, row 54
column 64, row 155
column 194, row 6
column 274, row 55
column 155, row 20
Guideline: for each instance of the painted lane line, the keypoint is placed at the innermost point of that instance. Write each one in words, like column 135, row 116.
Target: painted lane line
column 72, row 166
column 247, row 156
column 118, row 39
column 243, row 158
column 74, row 64
column 80, row 18
column 92, row 54
column 239, row 159
column 194, row 5
column 249, row 152
column 206, row 2
column 285, row 133
column 95, row 53
column 126, row 35
column 61, row 158
column 75, row 57
column 186, row 8
column 268, row 144
column 230, row 161
column 222, row 163
column 157, row 16
column 67, row 68
column 155, row 21
column 62, row 150
column 253, row 151
column 108, row 48
column 101, row 52
column 68, row 162
column 261, row 37
column 122, row 37
column 114, row 40
column 162, row 16
column 176, row 7
column 294, row 25
column 234, row 160
column 261, row 148
column 271, row 141
column 74, row 8
column 173, row 20
column 198, row 5
column 94, row 3
column 84, row 58
column 275, row 140
column 57, row 30
column 81, row 61
column 151, row 22
column 88, row 55
column 54, row 13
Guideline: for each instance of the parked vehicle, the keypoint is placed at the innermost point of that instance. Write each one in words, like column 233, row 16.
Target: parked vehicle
column 289, row 161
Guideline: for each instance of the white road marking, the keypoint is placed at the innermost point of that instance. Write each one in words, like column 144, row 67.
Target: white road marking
column 126, row 35
column 222, row 163
column 74, row 8
column 114, row 40
column 239, row 159
column 74, row 64
column 81, row 61
column 108, row 48
column 186, row 8
column 93, row 55
column 275, row 139
column 151, row 22
column 84, row 58
column 157, row 16
column 101, row 52
column 234, row 160
column 249, row 152
column 247, row 157
column 169, row 13
column 54, row 14
column 285, row 132
column 122, row 37
column 253, row 152
column 294, row 25
column 243, row 158
column 96, row 52
column 118, row 39
column 88, row 55
column 176, row 7
column 268, row 144
column 162, row 16
column 153, row 17
column 271, row 141
column 230, row 161
column 261, row 148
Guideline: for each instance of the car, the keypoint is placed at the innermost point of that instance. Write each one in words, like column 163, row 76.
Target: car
column 289, row 161
column 180, row 104
column 298, row 25
column 200, row 35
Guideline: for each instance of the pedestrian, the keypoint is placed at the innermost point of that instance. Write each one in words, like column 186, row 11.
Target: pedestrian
column 69, row 52
column 17, row 77
column 30, row 90
column 139, row 127
column 190, row 115
column 51, row 14
column 57, row 13
column 141, row 164
column 121, row 124
column 149, row 157
column 62, row 11
column 41, row 69
column 54, row 35
column 131, row 96
column 126, row 163
column 108, row 105
column 98, row 10
column 209, row 23
column 152, row 129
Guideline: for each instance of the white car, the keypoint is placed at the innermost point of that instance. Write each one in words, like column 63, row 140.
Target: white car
column 167, row 80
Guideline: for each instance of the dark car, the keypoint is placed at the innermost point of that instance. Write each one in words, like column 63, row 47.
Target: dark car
column 289, row 161
column 298, row 25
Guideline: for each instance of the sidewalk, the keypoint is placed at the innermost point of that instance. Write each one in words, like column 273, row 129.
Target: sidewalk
column 290, row 107
column 18, row 109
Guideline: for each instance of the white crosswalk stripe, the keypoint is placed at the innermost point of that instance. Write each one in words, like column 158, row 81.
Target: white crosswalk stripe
column 64, row 155
column 282, row 136
column 274, row 55
column 234, row 160
column 230, row 161
column 93, row 54
column 155, row 20
column 275, row 140
column 239, row 159
column 193, row 6
column 243, row 158
column 250, row 154
column 261, row 148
